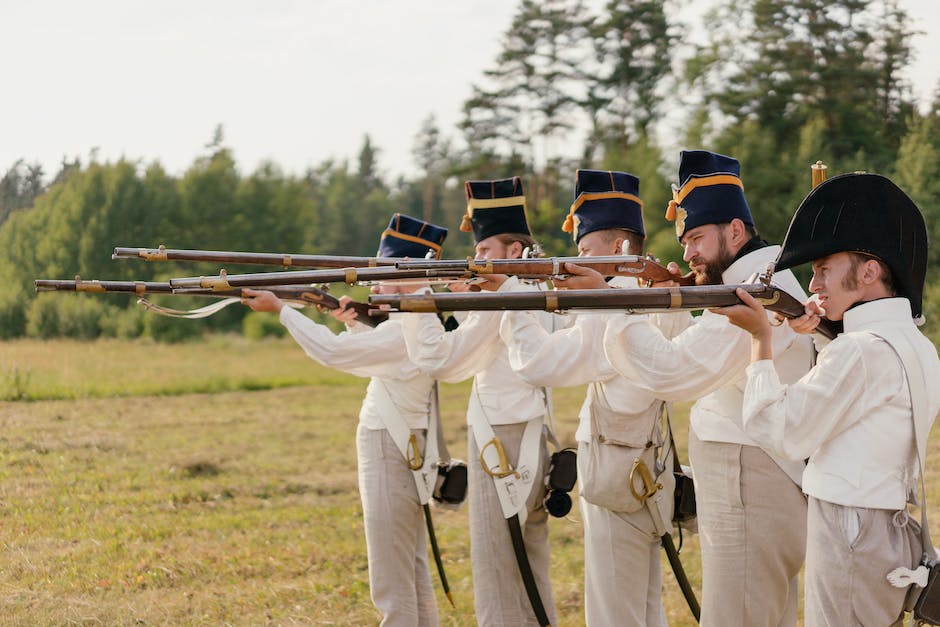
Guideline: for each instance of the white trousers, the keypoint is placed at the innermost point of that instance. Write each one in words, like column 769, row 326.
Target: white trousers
column 499, row 595
column 622, row 580
column 752, row 528
column 399, row 576
column 849, row 552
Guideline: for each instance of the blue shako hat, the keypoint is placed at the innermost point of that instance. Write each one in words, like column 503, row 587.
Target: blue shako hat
column 710, row 192
column 411, row 237
column 604, row 200
column 494, row 208
column 865, row 213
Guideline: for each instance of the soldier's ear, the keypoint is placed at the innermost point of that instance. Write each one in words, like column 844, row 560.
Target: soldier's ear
column 738, row 232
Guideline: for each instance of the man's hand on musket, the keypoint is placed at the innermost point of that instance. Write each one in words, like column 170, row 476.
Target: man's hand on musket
column 673, row 268
column 343, row 313
column 581, row 278
column 752, row 317
column 262, row 300
column 808, row 322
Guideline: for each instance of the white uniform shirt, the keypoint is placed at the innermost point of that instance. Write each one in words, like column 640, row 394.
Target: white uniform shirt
column 474, row 349
column 708, row 360
column 851, row 414
column 575, row 356
column 379, row 353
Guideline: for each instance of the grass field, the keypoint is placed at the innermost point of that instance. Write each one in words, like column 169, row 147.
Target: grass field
column 128, row 499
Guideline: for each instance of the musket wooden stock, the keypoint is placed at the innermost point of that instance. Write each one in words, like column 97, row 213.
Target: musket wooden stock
column 286, row 260
column 305, row 294
column 545, row 268
column 639, row 300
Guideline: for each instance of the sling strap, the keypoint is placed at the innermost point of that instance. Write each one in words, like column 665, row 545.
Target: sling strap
column 423, row 464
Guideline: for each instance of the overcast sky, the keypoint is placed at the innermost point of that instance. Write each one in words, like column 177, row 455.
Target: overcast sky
column 293, row 81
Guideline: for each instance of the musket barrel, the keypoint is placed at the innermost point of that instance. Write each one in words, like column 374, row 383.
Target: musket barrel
column 286, row 260
column 78, row 285
column 657, row 298
column 305, row 294
column 547, row 267
column 345, row 275
column 639, row 300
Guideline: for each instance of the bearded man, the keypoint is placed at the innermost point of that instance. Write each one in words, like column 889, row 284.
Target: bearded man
column 751, row 511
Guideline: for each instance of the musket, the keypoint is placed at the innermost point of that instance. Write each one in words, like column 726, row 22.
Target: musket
column 549, row 267
column 351, row 276
column 628, row 300
column 286, row 260
column 302, row 294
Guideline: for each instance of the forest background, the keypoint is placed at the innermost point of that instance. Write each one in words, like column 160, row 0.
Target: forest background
column 778, row 84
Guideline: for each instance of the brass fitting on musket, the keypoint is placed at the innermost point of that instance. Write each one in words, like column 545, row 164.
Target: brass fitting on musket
column 419, row 303
column 149, row 254
column 675, row 298
column 769, row 301
column 551, row 301
column 218, row 284
column 286, row 261
column 87, row 286
column 485, row 268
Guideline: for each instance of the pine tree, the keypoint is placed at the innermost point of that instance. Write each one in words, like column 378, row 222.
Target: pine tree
column 537, row 83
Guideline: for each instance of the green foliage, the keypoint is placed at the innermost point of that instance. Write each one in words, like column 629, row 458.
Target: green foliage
column 167, row 329
column 917, row 172
column 257, row 325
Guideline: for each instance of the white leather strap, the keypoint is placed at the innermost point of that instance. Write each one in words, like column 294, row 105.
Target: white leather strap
column 513, row 489
column 918, row 389
column 426, row 476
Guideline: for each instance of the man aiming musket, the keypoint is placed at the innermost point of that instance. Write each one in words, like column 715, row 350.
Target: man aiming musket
column 506, row 442
column 619, row 424
column 399, row 443
column 751, row 511
column 873, row 394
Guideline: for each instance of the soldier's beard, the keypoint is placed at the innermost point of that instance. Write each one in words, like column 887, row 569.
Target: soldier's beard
column 714, row 268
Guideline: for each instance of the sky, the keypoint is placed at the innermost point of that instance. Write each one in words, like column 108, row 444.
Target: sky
column 291, row 81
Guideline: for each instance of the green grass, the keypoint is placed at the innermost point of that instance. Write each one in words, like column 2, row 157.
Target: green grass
column 118, row 506
column 66, row 369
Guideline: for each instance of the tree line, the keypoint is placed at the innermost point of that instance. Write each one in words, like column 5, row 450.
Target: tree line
column 778, row 84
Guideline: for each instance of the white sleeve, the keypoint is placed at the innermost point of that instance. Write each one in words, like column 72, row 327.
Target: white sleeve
column 704, row 357
column 456, row 355
column 378, row 352
column 568, row 357
column 792, row 421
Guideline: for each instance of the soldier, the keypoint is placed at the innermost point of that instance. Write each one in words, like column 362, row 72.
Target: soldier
column 506, row 418
column 397, row 405
column 751, row 511
column 622, row 582
column 852, row 415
